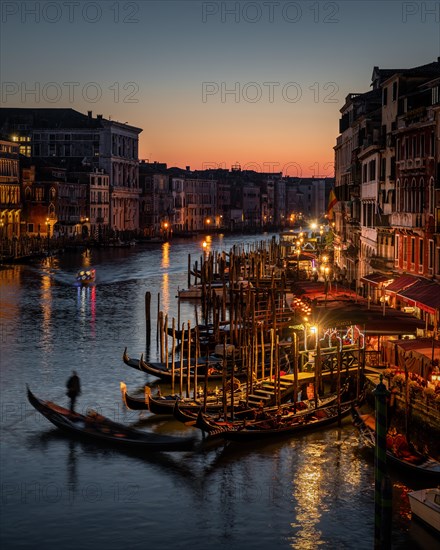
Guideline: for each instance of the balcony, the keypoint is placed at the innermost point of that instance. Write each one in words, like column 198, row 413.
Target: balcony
column 411, row 164
column 408, row 220
column 369, row 190
column 382, row 264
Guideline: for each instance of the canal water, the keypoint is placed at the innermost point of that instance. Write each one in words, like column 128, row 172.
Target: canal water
column 308, row 492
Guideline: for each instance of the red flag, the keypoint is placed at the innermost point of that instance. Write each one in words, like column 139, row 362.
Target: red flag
column 332, row 200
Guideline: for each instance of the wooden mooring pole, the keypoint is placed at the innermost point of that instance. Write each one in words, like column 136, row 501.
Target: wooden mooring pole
column 382, row 501
column 148, row 317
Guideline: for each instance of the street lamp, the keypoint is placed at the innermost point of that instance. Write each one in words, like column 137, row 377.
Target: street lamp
column 298, row 253
column 325, row 271
column 305, row 332
column 314, row 330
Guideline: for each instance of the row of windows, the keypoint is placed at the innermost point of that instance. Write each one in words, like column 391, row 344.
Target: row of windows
column 99, row 197
column 9, row 194
column 99, row 212
column 410, row 197
column 61, row 137
column 415, row 147
column 8, row 168
column 413, row 248
column 369, row 171
column 9, row 149
column 100, row 181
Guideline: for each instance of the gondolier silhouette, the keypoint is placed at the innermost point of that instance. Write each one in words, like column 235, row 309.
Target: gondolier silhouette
column 73, row 389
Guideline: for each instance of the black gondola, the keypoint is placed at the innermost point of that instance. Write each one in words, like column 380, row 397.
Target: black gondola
column 164, row 405
column 274, row 425
column 409, row 459
column 134, row 363
column 100, row 429
column 164, row 371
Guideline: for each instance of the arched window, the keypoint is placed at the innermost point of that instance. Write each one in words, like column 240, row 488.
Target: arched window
column 431, row 196
column 405, row 205
column 413, row 197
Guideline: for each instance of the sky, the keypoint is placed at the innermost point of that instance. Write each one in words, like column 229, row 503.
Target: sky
column 213, row 84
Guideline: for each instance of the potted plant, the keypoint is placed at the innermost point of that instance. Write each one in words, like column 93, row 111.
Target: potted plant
column 399, row 381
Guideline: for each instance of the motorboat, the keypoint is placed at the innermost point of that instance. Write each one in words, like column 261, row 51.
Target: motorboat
column 86, row 276
column 425, row 504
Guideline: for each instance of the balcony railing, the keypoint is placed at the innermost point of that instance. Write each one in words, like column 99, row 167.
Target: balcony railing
column 407, row 219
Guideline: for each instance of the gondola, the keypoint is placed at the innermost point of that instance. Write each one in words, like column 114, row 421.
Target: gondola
column 241, row 411
column 213, row 364
column 134, row 403
column 164, row 371
column 406, row 458
column 134, row 363
column 274, row 425
column 202, row 330
column 95, row 427
column 164, row 405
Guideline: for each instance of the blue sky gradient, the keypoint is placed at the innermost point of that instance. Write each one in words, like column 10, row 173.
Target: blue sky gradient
column 150, row 60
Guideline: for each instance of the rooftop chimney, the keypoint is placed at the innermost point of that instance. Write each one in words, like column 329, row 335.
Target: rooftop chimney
column 99, row 117
column 89, row 113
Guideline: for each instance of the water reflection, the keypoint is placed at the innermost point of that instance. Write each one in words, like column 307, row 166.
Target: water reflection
column 326, row 481
column 86, row 259
column 166, row 255
column 309, row 498
column 47, row 335
column 86, row 307
column 165, row 291
column 296, row 493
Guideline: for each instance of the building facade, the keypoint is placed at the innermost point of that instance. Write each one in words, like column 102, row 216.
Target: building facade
column 10, row 195
column 75, row 141
column 386, row 176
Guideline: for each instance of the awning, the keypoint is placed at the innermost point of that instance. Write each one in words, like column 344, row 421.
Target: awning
column 415, row 355
column 401, row 283
column 375, row 279
column 424, row 294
